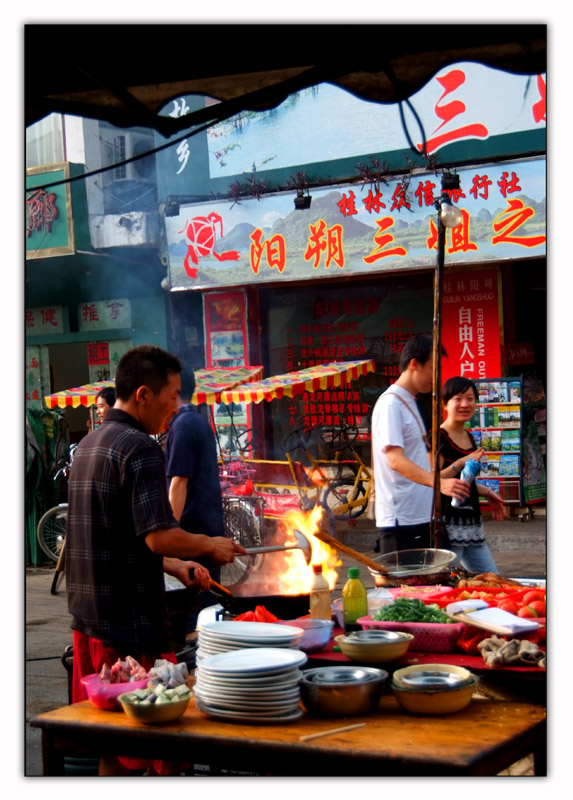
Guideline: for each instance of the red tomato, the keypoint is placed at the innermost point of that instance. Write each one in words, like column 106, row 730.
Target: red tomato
column 527, row 611
column 534, row 594
column 539, row 607
column 508, row 605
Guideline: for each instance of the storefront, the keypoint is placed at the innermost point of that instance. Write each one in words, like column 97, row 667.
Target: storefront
column 346, row 271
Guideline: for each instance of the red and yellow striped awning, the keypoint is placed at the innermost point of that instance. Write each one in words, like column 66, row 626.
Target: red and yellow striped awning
column 209, row 383
column 324, row 376
column 78, row 396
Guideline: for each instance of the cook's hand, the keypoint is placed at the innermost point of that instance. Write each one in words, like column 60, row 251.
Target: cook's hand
column 224, row 550
column 454, row 487
column 191, row 574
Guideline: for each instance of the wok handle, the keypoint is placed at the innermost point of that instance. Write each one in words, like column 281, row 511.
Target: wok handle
column 219, row 588
column 271, row 548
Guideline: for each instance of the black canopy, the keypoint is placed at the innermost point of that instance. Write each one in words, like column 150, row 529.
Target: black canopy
column 126, row 73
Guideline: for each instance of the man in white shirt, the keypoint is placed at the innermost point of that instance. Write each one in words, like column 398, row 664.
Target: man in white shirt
column 403, row 473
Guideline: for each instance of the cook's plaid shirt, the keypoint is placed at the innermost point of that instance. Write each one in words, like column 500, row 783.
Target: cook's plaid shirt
column 117, row 494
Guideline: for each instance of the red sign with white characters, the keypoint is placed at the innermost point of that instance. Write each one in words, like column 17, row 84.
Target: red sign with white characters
column 470, row 325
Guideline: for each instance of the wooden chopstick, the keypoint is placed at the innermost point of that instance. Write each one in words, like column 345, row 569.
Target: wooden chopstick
column 327, row 733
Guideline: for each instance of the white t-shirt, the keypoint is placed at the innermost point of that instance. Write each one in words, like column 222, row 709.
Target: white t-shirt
column 397, row 498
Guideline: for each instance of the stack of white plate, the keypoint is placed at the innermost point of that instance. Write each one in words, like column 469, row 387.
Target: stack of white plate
column 252, row 685
column 221, row 637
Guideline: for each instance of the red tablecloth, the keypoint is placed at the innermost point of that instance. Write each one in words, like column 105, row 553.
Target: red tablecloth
column 474, row 663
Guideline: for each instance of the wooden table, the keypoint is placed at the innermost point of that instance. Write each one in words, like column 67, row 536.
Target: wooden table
column 483, row 739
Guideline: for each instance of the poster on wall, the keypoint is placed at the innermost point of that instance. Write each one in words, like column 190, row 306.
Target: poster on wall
column 225, row 315
column 225, row 329
column 471, row 325
column 103, row 358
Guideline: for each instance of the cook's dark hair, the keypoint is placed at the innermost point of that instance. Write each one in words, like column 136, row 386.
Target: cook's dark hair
column 108, row 394
column 457, row 385
column 144, row 365
column 419, row 347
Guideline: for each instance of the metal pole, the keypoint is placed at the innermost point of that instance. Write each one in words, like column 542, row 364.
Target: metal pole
column 437, row 383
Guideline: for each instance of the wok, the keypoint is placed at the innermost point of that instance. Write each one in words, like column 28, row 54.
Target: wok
column 246, row 597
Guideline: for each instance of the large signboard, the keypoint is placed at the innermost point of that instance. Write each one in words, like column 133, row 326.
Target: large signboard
column 359, row 229
column 467, row 111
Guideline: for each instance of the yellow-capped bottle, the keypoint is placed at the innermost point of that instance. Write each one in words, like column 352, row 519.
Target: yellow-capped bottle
column 354, row 600
column 320, row 607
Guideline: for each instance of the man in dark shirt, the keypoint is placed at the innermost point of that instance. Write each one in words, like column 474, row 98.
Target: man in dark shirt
column 194, row 486
column 121, row 534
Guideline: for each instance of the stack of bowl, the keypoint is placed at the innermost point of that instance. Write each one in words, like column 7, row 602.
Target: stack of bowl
column 342, row 691
column 433, row 688
column 374, row 646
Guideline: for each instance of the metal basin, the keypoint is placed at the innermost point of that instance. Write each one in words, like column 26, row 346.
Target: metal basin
column 342, row 691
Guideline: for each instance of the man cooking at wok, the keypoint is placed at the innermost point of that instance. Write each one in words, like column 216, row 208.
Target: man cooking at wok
column 121, row 533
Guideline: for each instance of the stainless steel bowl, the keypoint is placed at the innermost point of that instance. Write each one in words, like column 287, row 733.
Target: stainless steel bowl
column 376, row 636
column 433, row 679
column 342, row 691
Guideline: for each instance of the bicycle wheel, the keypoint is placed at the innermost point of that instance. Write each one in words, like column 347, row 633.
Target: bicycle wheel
column 340, row 494
column 242, row 525
column 249, row 441
column 51, row 530
column 337, row 440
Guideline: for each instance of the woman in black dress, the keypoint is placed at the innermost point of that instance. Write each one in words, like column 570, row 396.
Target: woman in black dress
column 464, row 525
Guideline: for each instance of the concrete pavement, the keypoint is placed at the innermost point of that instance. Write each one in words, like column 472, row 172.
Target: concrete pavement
column 519, row 549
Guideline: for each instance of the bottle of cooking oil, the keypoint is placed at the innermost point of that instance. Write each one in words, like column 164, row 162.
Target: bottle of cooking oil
column 354, row 600
column 320, row 607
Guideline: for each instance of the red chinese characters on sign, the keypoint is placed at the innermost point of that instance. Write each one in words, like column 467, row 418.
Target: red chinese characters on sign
column 324, row 239
column 539, row 109
column 273, row 250
column 41, row 211
column 449, row 111
column 347, row 205
column 470, row 325
column 459, row 237
column 98, row 353
column 115, row 309
column 90, row 312
column 510, row 220
column 382, row 240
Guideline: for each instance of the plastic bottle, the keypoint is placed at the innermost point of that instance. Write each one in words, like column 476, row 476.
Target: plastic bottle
column 320, row 607
column 354, row 600
column 469, row 473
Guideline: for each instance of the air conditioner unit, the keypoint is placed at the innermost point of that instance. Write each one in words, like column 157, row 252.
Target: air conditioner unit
column 128, row 145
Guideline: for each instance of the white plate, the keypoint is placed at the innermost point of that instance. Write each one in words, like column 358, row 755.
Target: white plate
column 289, row 678
column 224, row 645
column 231, row 716
column 251, row 641
column 268, row 706
column 248, row 691
column 257, row 630
column 262, row 697
column 257, row 660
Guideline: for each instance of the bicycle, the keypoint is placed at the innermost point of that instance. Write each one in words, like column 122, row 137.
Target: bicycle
column 51, row 530
column 345, row 478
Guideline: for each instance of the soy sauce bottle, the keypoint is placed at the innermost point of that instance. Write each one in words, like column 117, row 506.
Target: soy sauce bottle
column 320, row 607
column 354, row 600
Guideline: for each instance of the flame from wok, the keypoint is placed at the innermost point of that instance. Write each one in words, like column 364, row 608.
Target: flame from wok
column 297, row 576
